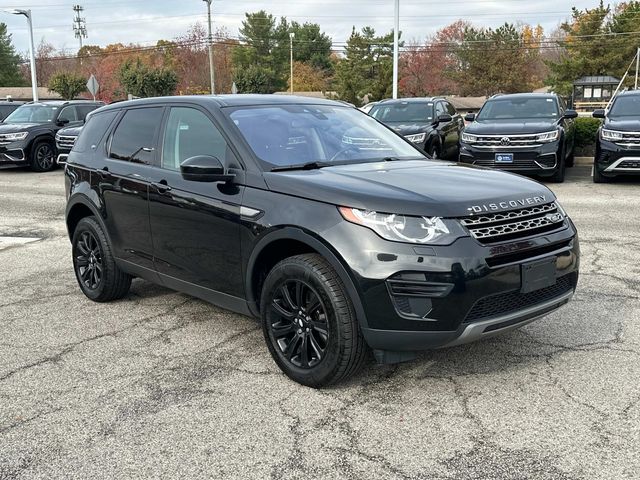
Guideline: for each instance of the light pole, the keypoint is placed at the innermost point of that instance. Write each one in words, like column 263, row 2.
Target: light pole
column 211, row 72
column 32, row 52
column 291, row 37
column 396, row 47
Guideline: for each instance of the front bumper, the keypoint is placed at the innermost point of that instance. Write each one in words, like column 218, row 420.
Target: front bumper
column 418, row 298
column 539, row 160
column 13, row 153
column 612, row 159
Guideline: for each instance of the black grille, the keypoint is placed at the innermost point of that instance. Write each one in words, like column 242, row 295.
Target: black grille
column 630, row 164
column 515, row 224
column 506, row 303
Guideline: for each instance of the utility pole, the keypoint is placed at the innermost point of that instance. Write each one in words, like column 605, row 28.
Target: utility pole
column 211, row 72
column 79, row 24
column 396, row 47
column 32, row 50
column 291, row 37
column 637, row 66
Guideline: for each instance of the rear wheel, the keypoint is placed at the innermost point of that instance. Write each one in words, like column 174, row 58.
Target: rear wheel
column 43, row 156
column 99, row 277
column 309, row 322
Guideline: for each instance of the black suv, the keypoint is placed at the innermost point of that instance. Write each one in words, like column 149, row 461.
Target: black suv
column 527, row 133
column 618, row 146
column 27, row 136
column 270, row 207
column 8, row 107
column 65, row 138
column 430, row 123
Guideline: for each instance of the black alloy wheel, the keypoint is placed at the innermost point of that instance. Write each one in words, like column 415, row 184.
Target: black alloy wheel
column 43, row 157
column 300, row 328
column 88, row 260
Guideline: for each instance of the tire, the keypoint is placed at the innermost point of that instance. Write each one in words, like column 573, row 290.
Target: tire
column 309, row 322
column 559, row 174
column 599, row 177
column 571, row 161
column 43, row 156
column 96, row 271
column 434, row 152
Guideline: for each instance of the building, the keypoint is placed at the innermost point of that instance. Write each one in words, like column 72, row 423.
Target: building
column 25, row 94
column 590, row 93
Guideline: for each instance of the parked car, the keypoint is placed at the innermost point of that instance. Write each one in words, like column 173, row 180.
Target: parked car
column 367, row 108
column 27, row 136
column 430, row 123
column 7, row 107
column 65, row 138
column 527, row 133
column 618, row 145
column 264, row 205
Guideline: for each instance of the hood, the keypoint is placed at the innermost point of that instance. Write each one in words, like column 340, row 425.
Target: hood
column 416, row 187
column 511, row 127
column 21, row 127
column 71, row 131
column 408, row 128
column 623, row 124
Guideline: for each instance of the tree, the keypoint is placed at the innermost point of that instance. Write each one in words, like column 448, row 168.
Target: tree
column 144, row 81
column 68, row 85
column 307, row 78
column 367, row 68
column 10, row 75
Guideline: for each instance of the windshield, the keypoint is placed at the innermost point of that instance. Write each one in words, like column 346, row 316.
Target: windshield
column 33, row 114
column 287, row 135
column 519, row 109
column 404, row 112
column 626, row 106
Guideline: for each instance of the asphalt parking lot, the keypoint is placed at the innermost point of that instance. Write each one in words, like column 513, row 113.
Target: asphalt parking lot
column 161, row 385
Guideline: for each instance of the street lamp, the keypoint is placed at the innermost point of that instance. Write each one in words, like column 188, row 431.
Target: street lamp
column 32, row 53
column 291, row 37
column 396, row 47
column 211, row 74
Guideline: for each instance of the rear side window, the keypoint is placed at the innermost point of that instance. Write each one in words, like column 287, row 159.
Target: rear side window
column 94, row 131
column 84, row 110
column 451, row 109
column 135, row 137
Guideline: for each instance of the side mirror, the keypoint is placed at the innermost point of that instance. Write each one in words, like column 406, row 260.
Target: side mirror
column 470, row 117
column 600, row 113
column 570, row 114
column 445, row 118
column 204, row 168
column 62, row 122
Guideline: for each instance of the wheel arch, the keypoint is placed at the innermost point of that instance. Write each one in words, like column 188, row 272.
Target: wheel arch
column 80, row 207
column 46, row 137
column 287, row 242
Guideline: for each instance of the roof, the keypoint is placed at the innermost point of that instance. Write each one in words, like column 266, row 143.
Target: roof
column 410, row 100
column 26, row 93
column 59, row 103
column 241, row 100
column 522, row 96
column 467, row 103
column 597, row 80
column 629, row 93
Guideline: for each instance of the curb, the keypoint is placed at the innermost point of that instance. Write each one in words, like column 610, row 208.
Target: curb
column 584, row 161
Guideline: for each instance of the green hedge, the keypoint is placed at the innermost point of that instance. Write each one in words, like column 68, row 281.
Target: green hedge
column 586, row 133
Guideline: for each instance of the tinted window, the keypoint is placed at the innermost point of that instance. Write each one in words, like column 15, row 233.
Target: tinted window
column 403, row 112
column 5, row 110
column 37, row 113
column 440, row 109
column 296, row 134
column 134, row 138
column 84, row 110
column 94, row 131
column 68, row 113
column 190, row 133
column 626, row 106
column 519, row 108
column 450, row 109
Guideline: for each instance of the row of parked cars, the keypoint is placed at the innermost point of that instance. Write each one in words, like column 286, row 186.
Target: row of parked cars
column 530, row 134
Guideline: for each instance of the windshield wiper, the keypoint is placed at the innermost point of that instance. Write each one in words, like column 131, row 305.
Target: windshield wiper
column 303, row 166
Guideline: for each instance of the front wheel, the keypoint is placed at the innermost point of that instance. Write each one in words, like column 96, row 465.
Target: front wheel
column 43, row 156
column 434, row 152
column 309, row 322
column 561, row 169
column 598, row 177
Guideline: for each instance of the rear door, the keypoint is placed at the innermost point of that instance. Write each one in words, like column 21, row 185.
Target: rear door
column 195, row 225
column 122, row 180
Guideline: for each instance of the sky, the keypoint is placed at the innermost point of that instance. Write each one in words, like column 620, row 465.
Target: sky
column 145, row 22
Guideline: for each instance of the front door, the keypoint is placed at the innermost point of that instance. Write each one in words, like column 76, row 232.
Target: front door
column 195, row 225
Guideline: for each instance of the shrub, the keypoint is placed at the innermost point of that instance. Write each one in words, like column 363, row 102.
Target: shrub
column 586, row 135
column 68, row 85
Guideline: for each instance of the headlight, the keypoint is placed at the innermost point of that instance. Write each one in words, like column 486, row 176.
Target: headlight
column 611, row 135
column 560, row 209
column 416, row 138
column 12, row 137
column 400, row 228
column 468, row 138
column 548, row 137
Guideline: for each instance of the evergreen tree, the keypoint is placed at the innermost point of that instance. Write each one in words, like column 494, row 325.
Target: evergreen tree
column 10, row 75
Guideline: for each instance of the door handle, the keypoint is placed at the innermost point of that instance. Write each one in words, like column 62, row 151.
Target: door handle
column 161, row 186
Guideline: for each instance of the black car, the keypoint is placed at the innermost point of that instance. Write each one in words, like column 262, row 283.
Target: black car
column 618, row 146
column 65, row 138
column 27, row 136
column 430, row 123
column 527, row 133
column 270, row 207
column 8, row 107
